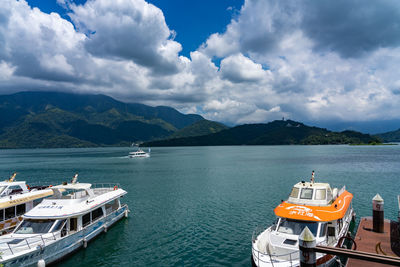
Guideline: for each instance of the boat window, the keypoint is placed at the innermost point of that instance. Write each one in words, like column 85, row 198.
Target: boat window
column 112, row 206
column 331, row 231
column 10, row 213
column 58, row 225
column 34, row 227
column 64, row 230
column 85, row 219
column 97, row 213
column 1, row 215
column 67, row 192
column 15, row 189
column 73, row 193
column 37, row 201
column 295, row 192
column 21, row 209
column 329, row 194
column 320, row 194
column 306, row 193
column 273, row 228
column 294, row 227
column 340, row 223
column 322, row 231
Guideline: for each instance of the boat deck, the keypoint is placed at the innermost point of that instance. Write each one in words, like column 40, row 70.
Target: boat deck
column 386, row 243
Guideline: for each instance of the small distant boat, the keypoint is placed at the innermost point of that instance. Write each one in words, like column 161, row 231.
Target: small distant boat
column 139, row 154
column 326, row 212
column 16, row 198
column 74, row 214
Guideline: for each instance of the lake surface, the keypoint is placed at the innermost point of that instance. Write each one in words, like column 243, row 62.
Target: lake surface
column 199, row 205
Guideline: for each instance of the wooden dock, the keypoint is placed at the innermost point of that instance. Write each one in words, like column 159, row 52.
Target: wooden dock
column 386, row 243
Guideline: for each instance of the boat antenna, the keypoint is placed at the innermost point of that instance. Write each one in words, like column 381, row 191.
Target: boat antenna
column 12, row 177
column 74, row 179
column 312, row 177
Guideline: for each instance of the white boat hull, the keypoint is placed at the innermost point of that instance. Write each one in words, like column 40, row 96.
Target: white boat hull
column 262, row 260
column 54, row 250
column 141, row 156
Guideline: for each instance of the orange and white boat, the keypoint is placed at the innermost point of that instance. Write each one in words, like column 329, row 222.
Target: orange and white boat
column 326, row 212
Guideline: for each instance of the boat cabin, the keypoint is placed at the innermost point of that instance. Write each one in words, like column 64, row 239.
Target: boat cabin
column 312, row 194
column 315, row 205
column 11, row 188
column 71, row 208
column 13, row 205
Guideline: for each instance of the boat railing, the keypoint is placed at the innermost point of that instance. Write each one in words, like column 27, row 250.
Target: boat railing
column 111, row 186
column 26, row 243
column 101, row 188
column 268, row 257
column 289, row 258
column 341, row 191
column 398, row 201
column 259, row 229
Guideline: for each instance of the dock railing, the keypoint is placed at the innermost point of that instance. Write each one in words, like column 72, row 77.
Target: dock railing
column 308, row 250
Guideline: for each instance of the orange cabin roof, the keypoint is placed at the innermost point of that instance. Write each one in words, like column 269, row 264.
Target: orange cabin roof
column 316, row 213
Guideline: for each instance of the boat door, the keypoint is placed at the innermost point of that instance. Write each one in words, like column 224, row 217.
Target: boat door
column 73, row 225
column 332, row 233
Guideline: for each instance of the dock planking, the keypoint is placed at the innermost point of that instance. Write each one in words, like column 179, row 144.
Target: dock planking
column 386, row 243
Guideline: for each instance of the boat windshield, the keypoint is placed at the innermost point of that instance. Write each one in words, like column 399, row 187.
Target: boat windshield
column 34, row 227
column 294, row 227
column 2, row 189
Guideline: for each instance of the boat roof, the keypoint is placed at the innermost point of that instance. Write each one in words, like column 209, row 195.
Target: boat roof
column 17, row 199
column 336, row 210
column 7, row 183
column 76, row 186
column 65, row 208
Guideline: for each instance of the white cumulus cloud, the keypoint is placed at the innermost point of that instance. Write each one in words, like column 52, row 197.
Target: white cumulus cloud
column 305, row 60
column 238, row 68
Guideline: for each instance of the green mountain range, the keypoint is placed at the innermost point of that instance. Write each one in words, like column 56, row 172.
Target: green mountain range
column 274, row 133
column 202, row 127
column 393, row 136
column 52, row 119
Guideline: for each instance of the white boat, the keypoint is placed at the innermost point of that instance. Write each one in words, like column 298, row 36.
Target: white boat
column 16, row 198
column 326, row 212
column 139, row 154
column 62, row 223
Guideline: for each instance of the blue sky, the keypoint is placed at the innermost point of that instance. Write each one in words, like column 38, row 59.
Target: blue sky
column 195, row 20
column 328, row 63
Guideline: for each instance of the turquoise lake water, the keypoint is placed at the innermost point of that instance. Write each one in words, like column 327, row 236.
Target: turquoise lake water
column 198, row 206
